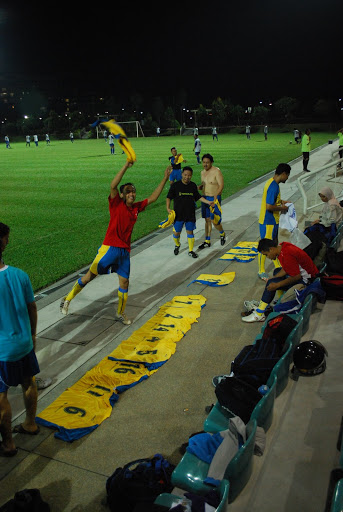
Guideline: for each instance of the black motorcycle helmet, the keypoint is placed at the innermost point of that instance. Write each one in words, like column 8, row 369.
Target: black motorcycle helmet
column 309, row 358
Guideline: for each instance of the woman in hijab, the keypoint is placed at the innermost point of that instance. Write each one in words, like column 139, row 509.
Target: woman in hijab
column 332, row 212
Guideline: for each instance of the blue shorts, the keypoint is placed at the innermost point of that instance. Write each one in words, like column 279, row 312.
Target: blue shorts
column 269, row 231
column 178, row 225
column 205, row 209
column 111, row 259
column 13, row 373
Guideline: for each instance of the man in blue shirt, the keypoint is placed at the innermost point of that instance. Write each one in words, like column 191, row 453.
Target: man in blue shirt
column 18, row 362
column 175, row 161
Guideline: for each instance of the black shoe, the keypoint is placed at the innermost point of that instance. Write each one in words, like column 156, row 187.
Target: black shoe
column 176, row 250
column 204, row 244
column 306, row 170
column 222, row 239
column 193, row 254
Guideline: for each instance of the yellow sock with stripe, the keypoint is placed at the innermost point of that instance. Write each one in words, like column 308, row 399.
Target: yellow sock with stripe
column 208, row 239
column 190, row 239
column 277, row 264
column 261, row 308
column 176, row 240
column 261, row 263
column 78, row 286
column 122, row 298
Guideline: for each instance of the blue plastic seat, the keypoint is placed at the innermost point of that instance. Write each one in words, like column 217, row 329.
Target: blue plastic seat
column 191, row 472
column 172, row 500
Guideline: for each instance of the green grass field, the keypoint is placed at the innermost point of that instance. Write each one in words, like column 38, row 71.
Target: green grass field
column 55, row 198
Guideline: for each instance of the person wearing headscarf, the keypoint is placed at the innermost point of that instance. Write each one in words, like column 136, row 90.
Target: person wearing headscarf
column 332, row 212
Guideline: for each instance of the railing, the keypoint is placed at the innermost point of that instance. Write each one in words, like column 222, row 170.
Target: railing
column 313, row 172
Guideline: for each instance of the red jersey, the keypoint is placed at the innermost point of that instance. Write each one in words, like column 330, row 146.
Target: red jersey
column 122, row 221
column 295, row 261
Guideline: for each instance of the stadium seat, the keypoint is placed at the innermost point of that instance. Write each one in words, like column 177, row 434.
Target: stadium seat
column 306, row 311
column 337, row 498
column 281, row 371
column 190, row 473
column 172, row 500
column 218, row 418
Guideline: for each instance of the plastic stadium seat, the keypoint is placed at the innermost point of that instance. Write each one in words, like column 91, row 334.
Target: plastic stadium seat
column 306, row 311
column 171, row 500
column 218, row 418
column 337, row 499
column 190, row 473
column 281, row 371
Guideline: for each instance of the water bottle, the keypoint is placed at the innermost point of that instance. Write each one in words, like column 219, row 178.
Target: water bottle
column 263, row 389
column 186, row 504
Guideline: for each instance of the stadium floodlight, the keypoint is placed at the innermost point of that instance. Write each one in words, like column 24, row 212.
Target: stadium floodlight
column 26, row 117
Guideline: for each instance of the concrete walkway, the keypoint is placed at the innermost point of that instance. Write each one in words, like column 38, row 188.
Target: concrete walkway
column 160, row 413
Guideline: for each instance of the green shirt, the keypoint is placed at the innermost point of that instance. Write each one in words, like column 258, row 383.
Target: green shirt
column 340, row 138
column 305, row 144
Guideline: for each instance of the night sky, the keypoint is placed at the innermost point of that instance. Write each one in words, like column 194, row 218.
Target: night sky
column 245, row 51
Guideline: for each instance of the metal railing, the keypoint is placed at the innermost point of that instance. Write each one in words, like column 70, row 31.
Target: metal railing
column 314, row 172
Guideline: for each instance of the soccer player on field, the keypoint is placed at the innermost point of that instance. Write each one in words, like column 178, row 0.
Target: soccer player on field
column 184, row 194
column 271, row 206
column 305, row 149
column 114, row 253
column 175, row 161
column 111, row 142
column 28, row 140
column 197, row 147
column 212, row 184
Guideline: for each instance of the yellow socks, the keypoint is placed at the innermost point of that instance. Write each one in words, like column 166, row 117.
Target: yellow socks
column 78, row 286
column 190, row 239
column 122, row 298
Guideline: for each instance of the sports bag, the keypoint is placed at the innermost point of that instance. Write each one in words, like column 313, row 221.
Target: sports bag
column 135, row 486
column 28, row 500
column 254, row 363
column 238, row 397
column 333, row 286
column 334, row 261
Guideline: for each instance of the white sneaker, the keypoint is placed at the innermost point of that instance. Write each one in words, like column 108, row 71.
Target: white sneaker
column 250, row 304
column 253, row 317
column 43, row 383
column 123, row 319
column 64, row 306
column 219, row 378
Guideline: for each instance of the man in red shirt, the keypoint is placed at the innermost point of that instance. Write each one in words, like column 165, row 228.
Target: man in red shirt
column 114, row 253
column 297, row 267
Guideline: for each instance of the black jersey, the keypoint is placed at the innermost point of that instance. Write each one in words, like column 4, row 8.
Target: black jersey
column 184, row 197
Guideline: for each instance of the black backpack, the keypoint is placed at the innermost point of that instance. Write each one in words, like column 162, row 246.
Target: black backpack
column 334, row 261
column 333, row 286
column 135, row 486
column 28, row 500
column 255, row 362
column 238, row 397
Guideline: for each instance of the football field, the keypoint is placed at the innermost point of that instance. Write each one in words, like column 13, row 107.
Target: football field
column 54, row 198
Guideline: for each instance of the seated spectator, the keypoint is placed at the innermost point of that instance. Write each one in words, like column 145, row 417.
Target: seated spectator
column 332, row 212
column 296, row 268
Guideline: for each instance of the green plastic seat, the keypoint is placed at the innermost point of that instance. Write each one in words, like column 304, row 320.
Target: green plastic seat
column 306, row 311
column 172, row 500
column 337, row 499
column 191, row 472
column 281, row 371
column 218, row 418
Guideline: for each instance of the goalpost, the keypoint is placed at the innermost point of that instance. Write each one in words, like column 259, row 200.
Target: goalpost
column 132, row 129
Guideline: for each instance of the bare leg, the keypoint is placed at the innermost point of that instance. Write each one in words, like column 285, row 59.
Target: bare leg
column 5, row 423
column 30, row 401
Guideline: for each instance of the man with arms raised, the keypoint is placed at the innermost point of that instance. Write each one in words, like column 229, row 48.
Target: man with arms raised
column 114, row 253
column 212, row 184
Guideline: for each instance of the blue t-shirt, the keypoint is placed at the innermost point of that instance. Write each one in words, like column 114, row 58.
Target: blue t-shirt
column 15, row 328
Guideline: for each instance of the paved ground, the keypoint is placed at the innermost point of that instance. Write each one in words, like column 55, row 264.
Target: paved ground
column 160, row 413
